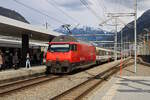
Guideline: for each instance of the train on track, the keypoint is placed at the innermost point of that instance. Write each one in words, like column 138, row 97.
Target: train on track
column 66, row 54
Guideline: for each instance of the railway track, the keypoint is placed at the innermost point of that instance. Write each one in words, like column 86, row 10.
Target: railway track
column 80, row 91
column 143, row 62
column 12, row 87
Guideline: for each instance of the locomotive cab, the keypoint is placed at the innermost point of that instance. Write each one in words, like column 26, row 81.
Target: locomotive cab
column 60, row 57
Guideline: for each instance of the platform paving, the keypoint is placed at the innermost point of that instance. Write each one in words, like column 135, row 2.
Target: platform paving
column 128, row 86
column 22, row 72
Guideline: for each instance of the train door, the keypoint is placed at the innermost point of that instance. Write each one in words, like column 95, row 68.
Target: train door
column 74, row 55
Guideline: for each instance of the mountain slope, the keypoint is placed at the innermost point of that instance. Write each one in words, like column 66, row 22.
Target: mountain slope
column 87, row 33
column 142, row 23
column 12, row 14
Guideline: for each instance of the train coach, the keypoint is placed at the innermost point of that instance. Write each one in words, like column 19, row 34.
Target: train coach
column 103, row 55
column 66, row 54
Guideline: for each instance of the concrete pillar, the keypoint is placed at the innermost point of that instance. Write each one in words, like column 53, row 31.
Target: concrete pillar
column 25, row 47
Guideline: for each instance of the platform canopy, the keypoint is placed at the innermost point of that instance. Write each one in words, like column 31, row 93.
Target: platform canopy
column 11, row 27
column 17, row 43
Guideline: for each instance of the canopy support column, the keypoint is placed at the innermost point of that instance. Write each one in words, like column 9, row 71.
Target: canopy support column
column 25, row 47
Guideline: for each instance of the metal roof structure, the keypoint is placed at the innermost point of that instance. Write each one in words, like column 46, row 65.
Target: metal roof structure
column 11, row 27
column 17, row 43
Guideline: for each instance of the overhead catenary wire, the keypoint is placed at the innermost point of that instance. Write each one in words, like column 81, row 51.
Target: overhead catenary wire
column 101, row 3
column 104, row 9
column 102, row 6
column 54, row 4
column 97, row 4
column 129, row 26
column 90, row 9
column 38, row 11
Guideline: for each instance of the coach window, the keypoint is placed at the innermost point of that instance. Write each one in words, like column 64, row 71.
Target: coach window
column 74, row 47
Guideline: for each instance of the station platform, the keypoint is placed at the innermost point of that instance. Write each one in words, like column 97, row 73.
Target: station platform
column 128, row 86
column 12, row 74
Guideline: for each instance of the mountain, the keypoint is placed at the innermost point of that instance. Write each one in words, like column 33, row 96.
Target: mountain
column 87, row 33
column 142, row 23
column 12, row 14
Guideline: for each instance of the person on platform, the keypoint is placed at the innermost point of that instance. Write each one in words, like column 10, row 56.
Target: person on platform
column 28, row 61
column 1, row 60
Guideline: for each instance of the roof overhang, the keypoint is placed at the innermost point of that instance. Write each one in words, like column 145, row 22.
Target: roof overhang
column 11, row 27
column 17, row 43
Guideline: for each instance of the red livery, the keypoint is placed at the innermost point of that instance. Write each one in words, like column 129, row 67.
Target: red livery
column 66, row 54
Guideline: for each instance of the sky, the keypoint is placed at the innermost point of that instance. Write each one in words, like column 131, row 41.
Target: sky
column 75, row 12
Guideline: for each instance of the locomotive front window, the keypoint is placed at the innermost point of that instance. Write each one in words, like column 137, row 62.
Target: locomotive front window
column 59, row 47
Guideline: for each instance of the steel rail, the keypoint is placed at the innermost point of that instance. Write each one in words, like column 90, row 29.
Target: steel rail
column 81, row 90
column 8, row 88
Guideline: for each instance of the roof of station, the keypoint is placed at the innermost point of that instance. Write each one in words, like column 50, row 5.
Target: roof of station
column 11, row 27
column 17, row 43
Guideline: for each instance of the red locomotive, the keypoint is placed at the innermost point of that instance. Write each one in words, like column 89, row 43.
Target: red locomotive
column 66, row 54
